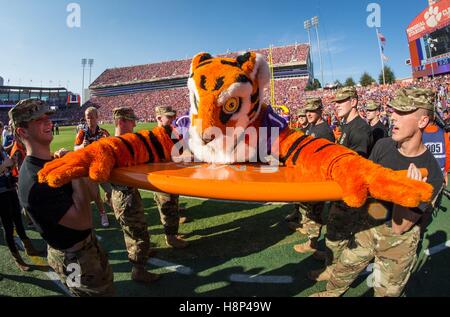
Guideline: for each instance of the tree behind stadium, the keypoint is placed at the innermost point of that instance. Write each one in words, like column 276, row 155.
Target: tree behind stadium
column 366, row 80
column 388, row 74
column 349, row 82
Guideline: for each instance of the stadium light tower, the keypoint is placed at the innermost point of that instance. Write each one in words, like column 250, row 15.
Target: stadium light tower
column 315, row 23
column 83, row 64
column 307, row 25
column 90, row 63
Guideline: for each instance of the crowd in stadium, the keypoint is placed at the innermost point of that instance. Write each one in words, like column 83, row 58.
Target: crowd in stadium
column 170, row 69
column 289, row 92
column 143, row 103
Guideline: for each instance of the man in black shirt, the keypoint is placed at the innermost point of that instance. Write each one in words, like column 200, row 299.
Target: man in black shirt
column 379, row 130
column 317, row 128
column 62, row 215
column 342, row 220
column 393, row 234
column 311, row 220
column 356, row 133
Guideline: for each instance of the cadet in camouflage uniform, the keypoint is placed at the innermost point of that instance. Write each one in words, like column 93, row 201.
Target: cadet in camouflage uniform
column 311, row 221
column 302, row 121
column 129, row 210
column 295, row 216
column 62, row 216
column 168, row 207
column 342, row 220
column 393, row 238
column 379, row 130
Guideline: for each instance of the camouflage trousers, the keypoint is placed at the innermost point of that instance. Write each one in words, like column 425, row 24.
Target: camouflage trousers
column 129, row 212
column 311, row 218
column 85, row 272
column 342, row 224
column 168, row 212
column 395, row 257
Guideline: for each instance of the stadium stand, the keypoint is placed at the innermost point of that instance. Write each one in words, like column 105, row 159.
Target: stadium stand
column 146, row 86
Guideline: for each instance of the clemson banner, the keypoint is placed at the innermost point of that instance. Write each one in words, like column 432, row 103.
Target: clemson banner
column 429, row 20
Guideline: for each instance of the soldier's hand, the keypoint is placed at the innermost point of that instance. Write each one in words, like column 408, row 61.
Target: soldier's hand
column 85, row 143
column 61, row 152
column 414, row 173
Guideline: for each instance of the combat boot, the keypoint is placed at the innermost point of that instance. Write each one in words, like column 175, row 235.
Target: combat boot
column 176, row 242
column 320, row 255
column 20, row 262
column 141, row 275
column 183, row 220
column 305, row 247
column 320, row 275
column 294, row 226
column 30, row 250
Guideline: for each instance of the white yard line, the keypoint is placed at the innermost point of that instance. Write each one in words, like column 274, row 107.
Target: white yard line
column 438, row 248
column 55, row 279
column 171, row 266
column 261, row 279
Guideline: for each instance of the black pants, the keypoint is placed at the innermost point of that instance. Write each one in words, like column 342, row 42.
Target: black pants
column 10, row 216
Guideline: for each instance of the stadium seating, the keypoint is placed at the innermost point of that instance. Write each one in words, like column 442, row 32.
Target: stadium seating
column 171, row 69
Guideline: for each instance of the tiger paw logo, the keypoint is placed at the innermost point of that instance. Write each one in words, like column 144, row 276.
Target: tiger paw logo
column 433, row 16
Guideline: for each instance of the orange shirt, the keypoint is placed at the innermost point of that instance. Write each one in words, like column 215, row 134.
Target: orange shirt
column 82, row 134
column 19, row 150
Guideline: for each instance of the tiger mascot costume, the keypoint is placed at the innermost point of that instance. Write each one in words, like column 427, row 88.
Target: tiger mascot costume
column 228, row 92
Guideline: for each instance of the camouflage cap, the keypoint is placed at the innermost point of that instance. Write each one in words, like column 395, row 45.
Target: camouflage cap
column 301, row 113
column 312, row 104
column 28, row 110
column 165, row 110
column 124, row 113
column 371, row 105
column 346, row 93
column 410, row 99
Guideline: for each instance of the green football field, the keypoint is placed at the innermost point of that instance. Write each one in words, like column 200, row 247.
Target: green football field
column 236, row 249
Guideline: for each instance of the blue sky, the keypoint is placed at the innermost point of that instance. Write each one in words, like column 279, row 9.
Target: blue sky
column 38, row 46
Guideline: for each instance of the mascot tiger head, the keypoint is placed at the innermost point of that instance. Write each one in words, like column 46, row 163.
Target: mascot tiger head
column 224, row 93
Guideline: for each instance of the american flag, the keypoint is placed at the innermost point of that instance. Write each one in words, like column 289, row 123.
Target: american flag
column 382, row 39
column 382, row 45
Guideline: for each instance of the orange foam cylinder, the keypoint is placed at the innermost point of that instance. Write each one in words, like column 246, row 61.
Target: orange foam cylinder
column 246, row 182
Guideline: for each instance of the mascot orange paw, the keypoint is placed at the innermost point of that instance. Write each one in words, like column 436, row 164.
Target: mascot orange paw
column 359, row 178
column 95, row 161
